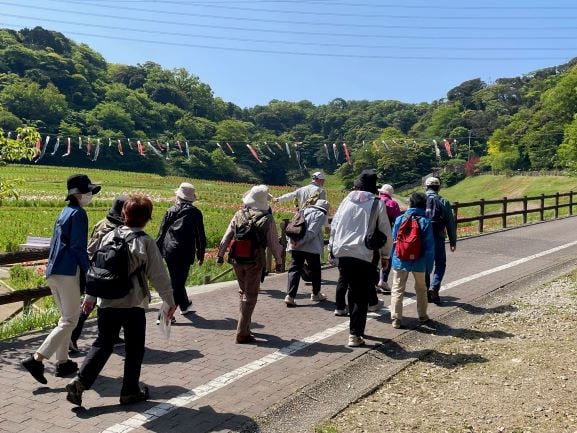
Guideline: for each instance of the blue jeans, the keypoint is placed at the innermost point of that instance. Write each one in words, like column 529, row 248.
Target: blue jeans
column 440, row 265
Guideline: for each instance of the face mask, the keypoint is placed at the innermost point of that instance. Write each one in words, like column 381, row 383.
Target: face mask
column 85, row 199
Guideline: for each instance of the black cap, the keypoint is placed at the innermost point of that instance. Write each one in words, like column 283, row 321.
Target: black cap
column 80, row 184
column 115, row 212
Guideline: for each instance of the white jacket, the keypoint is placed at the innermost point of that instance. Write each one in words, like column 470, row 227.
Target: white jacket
column 350, row 226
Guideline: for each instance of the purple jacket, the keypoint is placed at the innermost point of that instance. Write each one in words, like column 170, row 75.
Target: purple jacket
column 393, row 210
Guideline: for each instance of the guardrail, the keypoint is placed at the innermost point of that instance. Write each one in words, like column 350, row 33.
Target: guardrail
column 559, row 201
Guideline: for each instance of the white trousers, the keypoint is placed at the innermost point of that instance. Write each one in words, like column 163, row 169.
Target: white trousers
column 66, row 292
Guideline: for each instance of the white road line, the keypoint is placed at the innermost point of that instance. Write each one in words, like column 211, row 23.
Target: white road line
column 232, row 376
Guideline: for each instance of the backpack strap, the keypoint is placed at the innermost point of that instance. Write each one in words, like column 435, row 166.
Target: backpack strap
column 373, row 219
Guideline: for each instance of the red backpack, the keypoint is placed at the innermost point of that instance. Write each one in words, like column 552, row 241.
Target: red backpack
column 408, row 245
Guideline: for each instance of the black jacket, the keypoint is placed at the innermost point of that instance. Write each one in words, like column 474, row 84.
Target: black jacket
column 181, row 236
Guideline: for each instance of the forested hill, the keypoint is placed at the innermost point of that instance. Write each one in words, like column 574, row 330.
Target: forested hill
column 67, row 90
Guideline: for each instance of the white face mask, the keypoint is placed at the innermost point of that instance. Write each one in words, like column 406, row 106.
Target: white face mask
column 85, row 199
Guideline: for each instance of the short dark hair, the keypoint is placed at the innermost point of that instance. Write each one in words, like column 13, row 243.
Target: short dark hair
column 137, row 210
column 434, row 187
column 418, row 200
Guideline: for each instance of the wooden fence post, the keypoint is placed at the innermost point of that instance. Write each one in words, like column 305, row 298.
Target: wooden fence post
column 556, row 210
column 570, row 202
column 504, row 209
column 456, row 213
column 542, row 209
column 524, row 209
column 481, row 214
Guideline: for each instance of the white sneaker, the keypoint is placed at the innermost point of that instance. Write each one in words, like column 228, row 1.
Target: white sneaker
column 187, row 310
column 377, row 306
column 396, row 324
column 355, row 341
column 344, row 312
column 318, row 297
column 290, row 301
column 383, row 287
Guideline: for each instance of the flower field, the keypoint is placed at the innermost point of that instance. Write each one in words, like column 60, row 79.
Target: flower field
column 42, row 190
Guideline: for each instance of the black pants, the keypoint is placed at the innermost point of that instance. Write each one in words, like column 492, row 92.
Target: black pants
column 359, row 275
column 110, row 321
column 178, row 272
column 294, row 273
column 341, row 293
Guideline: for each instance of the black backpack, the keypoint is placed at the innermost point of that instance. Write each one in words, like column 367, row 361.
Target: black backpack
column 249, row 237
column 434, row 209
column 108, row 275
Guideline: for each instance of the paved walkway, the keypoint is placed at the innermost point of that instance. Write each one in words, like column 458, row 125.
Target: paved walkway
column 201, row 381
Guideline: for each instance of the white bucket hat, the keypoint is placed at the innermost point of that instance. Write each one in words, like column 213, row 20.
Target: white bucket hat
column 322, row 205
column 387, row 189
column 258, row 197
column 186, row 192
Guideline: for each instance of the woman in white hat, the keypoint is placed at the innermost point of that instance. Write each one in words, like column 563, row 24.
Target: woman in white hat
column 181, row 239
column 248, row 255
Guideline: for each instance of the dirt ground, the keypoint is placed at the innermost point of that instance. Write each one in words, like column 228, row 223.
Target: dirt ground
column 514, row 371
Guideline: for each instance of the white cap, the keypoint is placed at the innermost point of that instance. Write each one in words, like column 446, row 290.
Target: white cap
column 318, row 175
column 431, row 181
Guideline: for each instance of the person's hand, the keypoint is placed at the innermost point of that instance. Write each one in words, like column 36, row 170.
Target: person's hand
column 275, row 200
column 170, row 312
column 384, row 263
column 453, row 248
column 219, row 260
column 87, row 307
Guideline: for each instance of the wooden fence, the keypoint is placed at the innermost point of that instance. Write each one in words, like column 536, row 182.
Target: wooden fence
column 507, row 208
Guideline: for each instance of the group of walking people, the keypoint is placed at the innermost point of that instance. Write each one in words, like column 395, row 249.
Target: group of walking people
column 362, row 237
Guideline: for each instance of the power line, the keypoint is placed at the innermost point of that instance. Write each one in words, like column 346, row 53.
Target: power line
column 311, row 54
column 301, row 43
column 337, row 3
column 296, row 32
column 324, row 13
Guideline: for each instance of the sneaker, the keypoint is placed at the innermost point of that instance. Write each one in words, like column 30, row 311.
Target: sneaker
column 119, row 342
column 424, row 319
column 355, row 341
column 433, row 296
column 187, row 310
column 141, row 395
column 65, row 369
column 245, row 339
column 383, row 288
column 318, row 297
column 344, row 312
column 396, row 324
column 74, row 392
column 290, row 301
column 376, row 307
column 172, row 321
column 73, row 348
column 35, row 368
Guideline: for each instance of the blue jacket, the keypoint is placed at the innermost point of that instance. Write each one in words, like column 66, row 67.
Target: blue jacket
column 69, row 242
column 425, row 262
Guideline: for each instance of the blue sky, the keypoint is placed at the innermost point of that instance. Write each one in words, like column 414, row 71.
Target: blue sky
column 253, row 51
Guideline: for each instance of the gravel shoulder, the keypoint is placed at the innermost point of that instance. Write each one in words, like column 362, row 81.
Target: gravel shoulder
column 514, row 370
column 504, row 362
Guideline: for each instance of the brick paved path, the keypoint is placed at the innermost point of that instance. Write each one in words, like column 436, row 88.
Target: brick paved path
column 201, row 381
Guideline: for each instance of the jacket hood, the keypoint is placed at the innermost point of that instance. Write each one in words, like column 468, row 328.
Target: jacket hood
column 415, row 211
column 360, row 196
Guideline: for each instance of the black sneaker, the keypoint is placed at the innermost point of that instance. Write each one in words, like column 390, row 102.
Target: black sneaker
column 65, row 369
column 141, row 395
column 74, row 392
column 433, row 296
column 73, row 348
column 119, row 341
column 35, row 368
